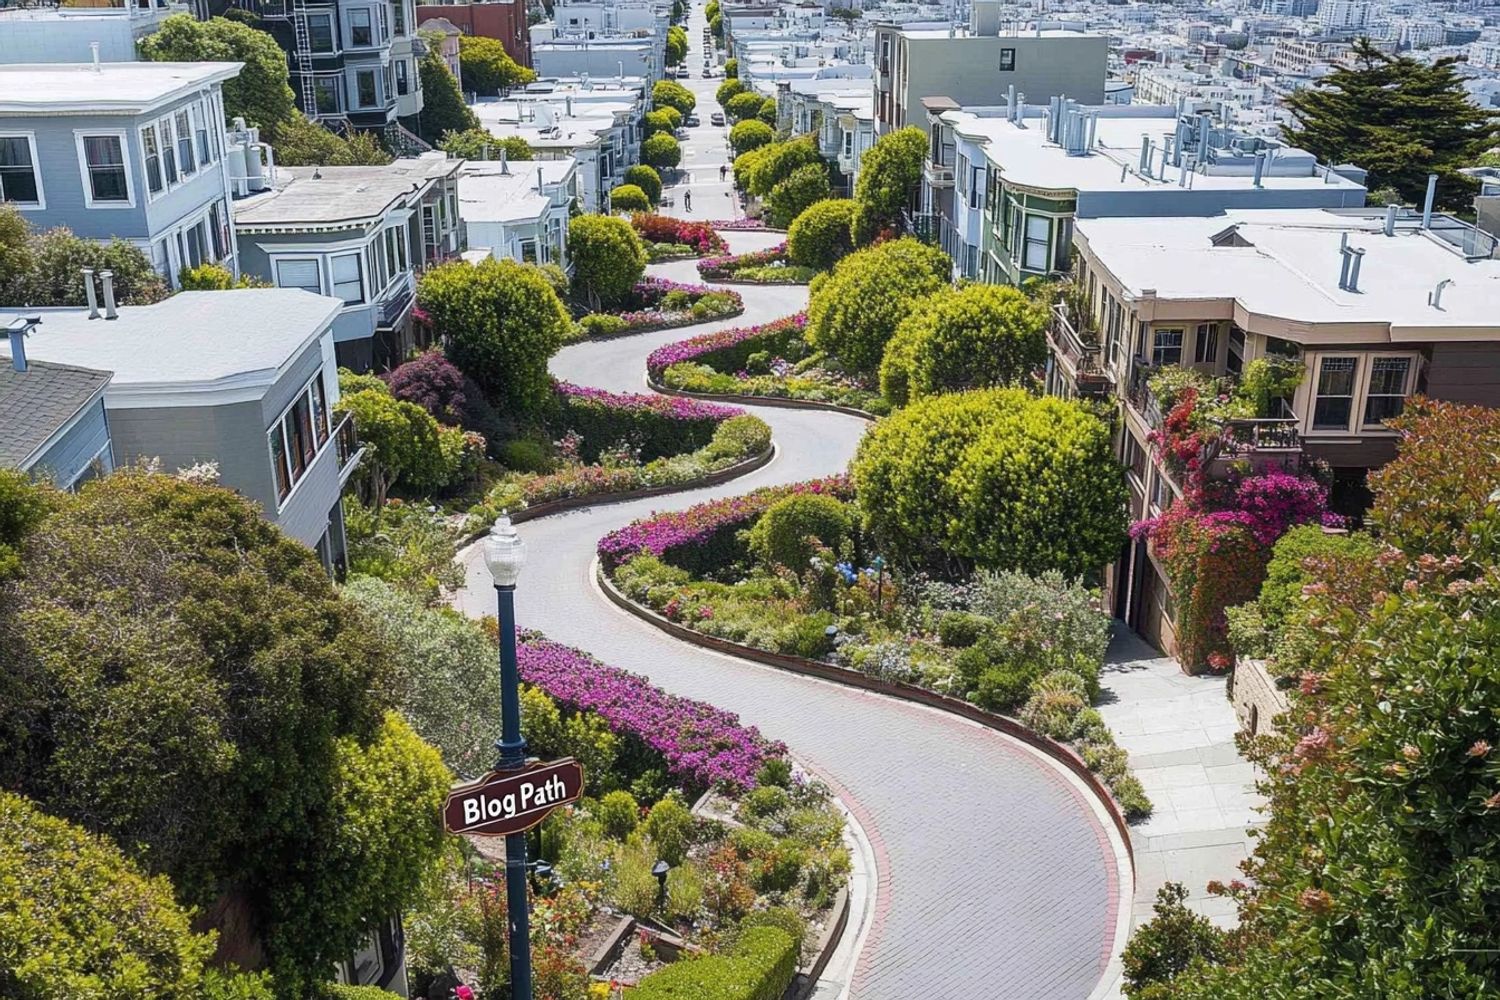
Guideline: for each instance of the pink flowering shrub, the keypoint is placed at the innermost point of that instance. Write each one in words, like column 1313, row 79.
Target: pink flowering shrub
column 666, row 229
column 661, row 303
column 728, row 350
column 703, row 537
column 724, row 266
column 702, row 746
column 657, row 425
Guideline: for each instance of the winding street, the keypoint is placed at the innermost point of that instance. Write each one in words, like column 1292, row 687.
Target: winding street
column 998, row 877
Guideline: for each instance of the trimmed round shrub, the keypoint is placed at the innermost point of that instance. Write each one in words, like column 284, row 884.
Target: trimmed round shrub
column 743, row 106
column 608, row 258
column 671, row 94
column 768, row 111
column 890, row 172
column 760, row 170
column 782, row 536
column 750, row 134
column 731, row 68
column 960, row 629
column 669, row 826
column 966, row 338
column 993, row 478
column 661, row 151
column 792, row 196
column 856, row 311
column 628, row 198
column 659, row 120
column 728, row 91
column 647, row 179
column 819, row 236
column 618, row 813
column 602, row 325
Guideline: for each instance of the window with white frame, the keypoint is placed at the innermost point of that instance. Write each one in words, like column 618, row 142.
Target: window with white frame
column 367, row 88
column 403, row 78
column 347, row 283
column 151, row 151
column 1385, row 396
column 297, row 436
column 320, row 32
column 20, row 180
column 186, row 162
column 1038, row 242
column 1206, row 348
column 299, row 272
column 361, row 30
column 218, row 229
column 106, row 181
column 1166, row 346
column 200, row 131
column 1333, row 402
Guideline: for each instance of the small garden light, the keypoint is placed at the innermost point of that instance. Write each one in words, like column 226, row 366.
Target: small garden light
column 660, row 870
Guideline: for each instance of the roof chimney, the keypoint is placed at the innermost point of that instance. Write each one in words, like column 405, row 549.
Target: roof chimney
column 88, row 291
column 107, row 279
column 94, row 48
column 1390, row 220
column 1434, row 297
column 18, row 329
column 504, row 159
column 1427, row 203
column 1260, row 166
column 538, row 180
column 1357, row 256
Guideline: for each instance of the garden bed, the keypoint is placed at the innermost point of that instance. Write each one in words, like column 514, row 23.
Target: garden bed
column 612, row 446
column 769, row 361
column 661, row 304
column 760, row 267
column 751, row 575
column 669, row 238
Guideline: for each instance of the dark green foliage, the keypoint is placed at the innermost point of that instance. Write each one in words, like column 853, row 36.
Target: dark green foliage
column 301, row 142
column 443, row 107
column 523, row 455
column 479, row 144
column 960, row 629
column 1174, row 938
column 854, row 313
column 759, row 967
column 402, row 444
column 647, row 179
column 660, row 120
column 486, row 68
column 790, row 532
column 23, row 505
column 260, row 93
column 1398, row 118
column 501, row 321
column 607, row 257
column 788, row 199
column 768, row 111
column 81, row 919
column 890, row 172
column 655, row 434
column 967, row 338
column 45, row 268
column 819, row 237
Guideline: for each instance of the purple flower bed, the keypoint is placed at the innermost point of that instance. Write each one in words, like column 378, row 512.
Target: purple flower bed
column 724, row 265
column 725, row 349
column 703, row 746
column 668, row 407
column 699, row 533
column 661, row 303
column 739, row 224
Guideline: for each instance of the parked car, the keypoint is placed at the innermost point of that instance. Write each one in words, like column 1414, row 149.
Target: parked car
column 717, row 118
column 707, row 73
column 692, row 121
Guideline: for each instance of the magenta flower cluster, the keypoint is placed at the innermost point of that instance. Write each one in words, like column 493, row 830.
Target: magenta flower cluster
column 700, row 523
column 738, row 224
column 1272, row 502
column 725, row 265
column 702, row 746
column 694, row 348
column 668, row 407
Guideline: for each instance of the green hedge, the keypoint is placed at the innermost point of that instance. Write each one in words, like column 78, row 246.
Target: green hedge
column 760, row 967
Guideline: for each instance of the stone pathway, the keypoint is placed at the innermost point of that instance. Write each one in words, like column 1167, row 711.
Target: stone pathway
column 1180, row 731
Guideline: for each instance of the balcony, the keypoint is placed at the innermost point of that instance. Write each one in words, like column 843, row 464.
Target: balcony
column 346, row 443
column 925, row 226
column 392, row 309
column 937, row 175
column 1079, row 355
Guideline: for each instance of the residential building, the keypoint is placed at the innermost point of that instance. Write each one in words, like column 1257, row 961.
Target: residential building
column 447, row 38
column 502, row 20
column 518, row 210
column 357, row 234
column 67, row 34
column 245, row 379
column 978, row 66
column 1307, row 56
column 128, row 150
column 1335, row 16
column 54, row 418
column 1046, row 166
column 840, row 113
column 1377, row 304
column 352, row 62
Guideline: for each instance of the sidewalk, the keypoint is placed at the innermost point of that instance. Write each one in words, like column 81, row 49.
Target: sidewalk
column 1179, row 731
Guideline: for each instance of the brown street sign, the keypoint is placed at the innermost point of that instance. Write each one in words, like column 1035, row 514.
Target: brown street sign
column 504, row 802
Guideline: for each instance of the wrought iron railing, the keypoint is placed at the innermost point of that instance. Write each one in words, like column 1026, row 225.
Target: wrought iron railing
column 1245, row 436
column 925, row 226
column 1084, row 355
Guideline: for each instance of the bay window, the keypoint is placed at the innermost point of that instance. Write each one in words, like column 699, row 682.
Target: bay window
column 299, row 273
column 346, row 278
column 296, row 437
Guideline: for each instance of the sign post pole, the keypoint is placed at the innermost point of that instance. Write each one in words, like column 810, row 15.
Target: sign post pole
column 512, row 749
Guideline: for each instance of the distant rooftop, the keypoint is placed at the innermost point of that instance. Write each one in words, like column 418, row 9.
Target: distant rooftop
column 336, row 197
column 39, row 402
column 125, row 87
column 488, row 193
column 194, row 340
column 1286, row 264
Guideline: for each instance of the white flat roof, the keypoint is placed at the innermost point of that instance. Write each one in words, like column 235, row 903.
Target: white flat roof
column 234, row 339
column 1025, row 157
column 485, row 194
column 1290, row 269
column 59, row 88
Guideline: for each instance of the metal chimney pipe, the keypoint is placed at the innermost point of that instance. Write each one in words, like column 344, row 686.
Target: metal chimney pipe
column 504, row 160
column 18, row 330
column 1010, row 103
column 1344, row 267
column 1434, row 298
column 538, row 180
column 1145, row 154
column 1020, row 106
column 107, row 279
column 1390, row 220
column 88, row 291
column 1260, row 166
column 1358, row 256
column 1427, row 202
column 94, row 48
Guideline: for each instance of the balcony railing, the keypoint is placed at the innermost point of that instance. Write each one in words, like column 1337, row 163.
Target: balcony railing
column 937, row 175
column 1138, row 392
column 1244, row 437
column 925, row 226
column 346, row 442
column 1081, row 354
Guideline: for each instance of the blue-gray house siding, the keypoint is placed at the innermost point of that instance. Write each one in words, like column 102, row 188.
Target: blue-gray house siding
column 65, row 460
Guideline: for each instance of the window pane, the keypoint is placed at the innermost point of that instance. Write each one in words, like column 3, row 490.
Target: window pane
column 346, row 283
column 366, row 80
column 152, row 146
column 279, row 463
column 301, row 412
column 1335, row 403
column 1336, row 377
column 106, row 165
column 185, row 160
column 1388, row 376
column 359, row 27
column 298, row 274
column 320, row 32
column 17, row 178
column 320, row 409
column 1166, row 347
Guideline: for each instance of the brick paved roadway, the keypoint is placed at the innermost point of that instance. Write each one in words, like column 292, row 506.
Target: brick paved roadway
column 996, row 879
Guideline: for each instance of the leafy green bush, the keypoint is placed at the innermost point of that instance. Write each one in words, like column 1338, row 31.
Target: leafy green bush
column 742, row 106
column 792, row 529
column 23, row 506
column 993, row 478
column 45, row 268
column 404, row 545
column 481, row 144
column 618, row 813
column 343, row 991
column 634, row 889
column 1259, row 625
column 600, row 325
column 685, row 891
column 789, row 198
column 868, row 294
column 728, row 91
column 783, row 917
column 967, row 338
column 739, row 437
column 661, row 150
column 890, row 172
column 669, row 827
column 501, row 321
column 960, row 629
column 1174, row 938
column 607, row 257
column 760, row 966
column 628, row 198
column 660, row 120
column 819, row 237
column 760, row 170
column 1054, row 712
column 752, row 133
column 646, row 178
column 81, row 919
column 525, row 455
column 671, row 94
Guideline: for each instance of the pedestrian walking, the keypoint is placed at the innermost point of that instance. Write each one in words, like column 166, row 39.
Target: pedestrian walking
column 723, row 169
column 687, row 201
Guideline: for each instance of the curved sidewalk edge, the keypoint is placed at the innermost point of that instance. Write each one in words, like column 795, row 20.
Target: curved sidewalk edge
column 1061, row 755
column 744, row 399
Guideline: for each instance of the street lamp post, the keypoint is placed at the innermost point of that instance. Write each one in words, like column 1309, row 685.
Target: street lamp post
column 505, row 554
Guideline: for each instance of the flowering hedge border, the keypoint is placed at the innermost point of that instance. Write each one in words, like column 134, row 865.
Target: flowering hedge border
column 850, row 677
column 784, row 402
column 702, row 745
column 704, row 344
column 649, row 226
column 648, row 320
column 723, row 268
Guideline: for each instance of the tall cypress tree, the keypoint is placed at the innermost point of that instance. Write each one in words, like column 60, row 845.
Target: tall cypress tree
column 443, row 108
column 1400, row 120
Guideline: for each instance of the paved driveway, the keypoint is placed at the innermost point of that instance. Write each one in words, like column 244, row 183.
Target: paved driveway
column 997, row 879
